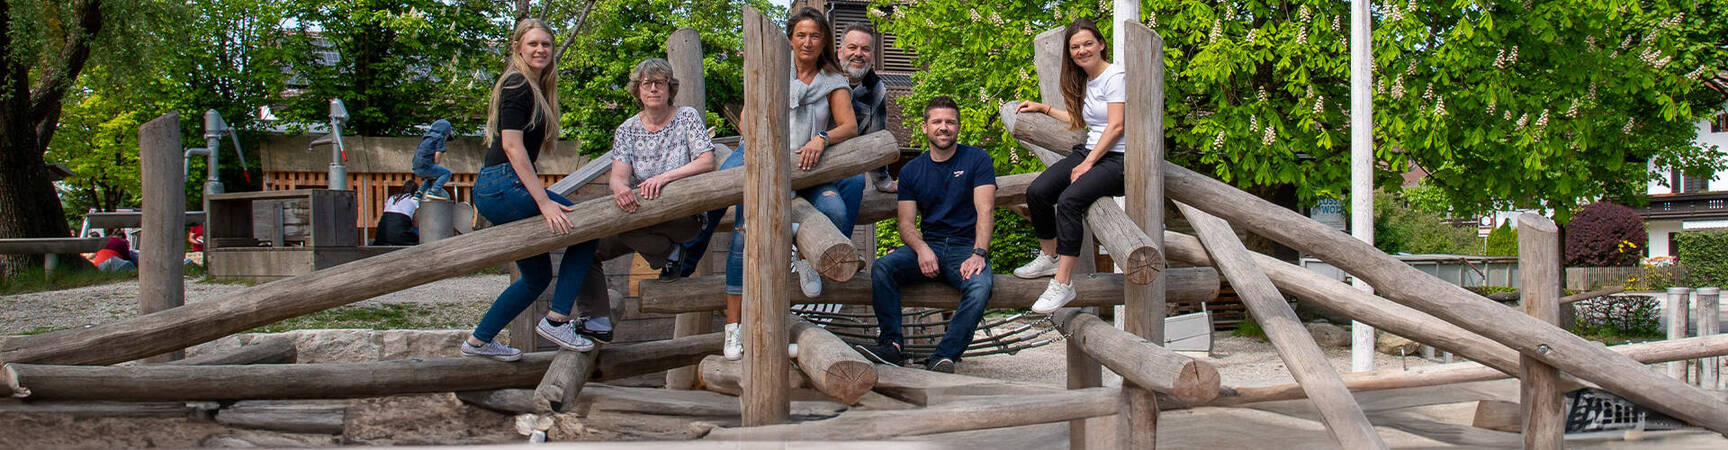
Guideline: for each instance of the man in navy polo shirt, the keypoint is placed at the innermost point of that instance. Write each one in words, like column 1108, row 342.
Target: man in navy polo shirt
column 952, row 188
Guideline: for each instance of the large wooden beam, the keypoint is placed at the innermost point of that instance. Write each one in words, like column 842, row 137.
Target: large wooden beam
column 342, row 380
column 767, row 192
column 1356, row 304
column 1138, row 360
column 1307, row 363
column 832, row 366
column 603, row 397
column 1112, row 227
column 977, row 414
column 1407, row 285
column 822, row 243
column 727, row 377
column 1183, row 285
column 563, row 381
column 1143, row 184
column 1543, row 400
column 162, row 244
column 684, row 52
column 273, row 350
column 38, row 246
column 921, row 387
column 1647, row 353
column 267, row 303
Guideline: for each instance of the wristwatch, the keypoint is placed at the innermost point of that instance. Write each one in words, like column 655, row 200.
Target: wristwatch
column 984, row 252
column 824, row 136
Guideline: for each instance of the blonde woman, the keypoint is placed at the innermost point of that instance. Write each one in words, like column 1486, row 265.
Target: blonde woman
column 521, row 123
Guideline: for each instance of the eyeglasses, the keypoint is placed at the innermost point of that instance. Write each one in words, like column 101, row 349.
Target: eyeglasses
column 662, row 84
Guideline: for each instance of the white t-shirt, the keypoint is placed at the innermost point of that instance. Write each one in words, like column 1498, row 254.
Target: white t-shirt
column 404, row 205
column 1107, row 88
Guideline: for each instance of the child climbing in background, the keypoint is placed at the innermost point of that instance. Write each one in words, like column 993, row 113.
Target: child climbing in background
column 396, row 225
column 427, row 159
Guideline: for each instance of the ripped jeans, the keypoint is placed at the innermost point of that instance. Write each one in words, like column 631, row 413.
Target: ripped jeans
column 835, row 200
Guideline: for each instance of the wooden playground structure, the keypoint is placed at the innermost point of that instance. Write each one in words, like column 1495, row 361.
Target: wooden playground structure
column 77, row 364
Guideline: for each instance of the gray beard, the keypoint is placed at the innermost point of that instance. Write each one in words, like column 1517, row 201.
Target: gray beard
column 859, row 74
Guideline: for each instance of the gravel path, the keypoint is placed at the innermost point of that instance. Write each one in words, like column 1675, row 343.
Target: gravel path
column 44, row 311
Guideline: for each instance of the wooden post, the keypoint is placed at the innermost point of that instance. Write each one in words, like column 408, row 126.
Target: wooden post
column 1400, row 282
column 1539, row 388
column 563, row 382
column 1083, row 372
column 1143, row 305
column 684, row 51
column 767, row 195
column 1679, row 304
column 1338, row 410
column 1152, row 367
column 161, row 266
column 1709, row 324
column 833, row 367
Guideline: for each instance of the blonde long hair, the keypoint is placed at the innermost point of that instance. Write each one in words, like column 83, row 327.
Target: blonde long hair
column 545, row 88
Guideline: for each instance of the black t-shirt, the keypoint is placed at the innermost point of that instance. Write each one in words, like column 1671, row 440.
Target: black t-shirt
column 943, row 191
column 515, row 109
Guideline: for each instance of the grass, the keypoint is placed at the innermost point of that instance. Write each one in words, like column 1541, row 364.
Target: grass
column 393, row 316
column 1250, row 329
column 34, row 281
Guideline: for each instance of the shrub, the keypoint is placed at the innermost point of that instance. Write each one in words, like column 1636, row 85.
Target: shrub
column 1705, row 255
column 1621, row 316
column 1604, row 234
column 1399, row 228
column 1011, row 242
column 1503, row 241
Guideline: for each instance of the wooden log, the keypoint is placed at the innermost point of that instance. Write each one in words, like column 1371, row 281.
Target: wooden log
column 1143, row 306
column 273, row 350
column 977, row 414
column 1112, row 228
column 1138, row 360
column 823, row 244
column 603, row 397
column 766, row 195
column 1308, row 364
column 341, row 380
column 1188, row 285
column 256, row 306
column 1543, row 401
column 926, row 388
column 1647, row 353
column 1412, row 287
column 684, row 52
column 1400, row 282
column 162, row 243
column 563, row 381
column 1498, row 416
column 1356, row 304
column 94, row 409
column 831, row 365
column 727, row 377
column 1592, row 294
column 877, row 206
column 288, row 416
column 1677, row 307
column 39, row 246
column 1083, row 372
column 1709, row 324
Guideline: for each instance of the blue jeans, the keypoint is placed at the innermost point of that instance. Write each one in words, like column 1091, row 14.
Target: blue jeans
column 435, row 176
column 828, row 199
column 901, row 267
column 500, row 197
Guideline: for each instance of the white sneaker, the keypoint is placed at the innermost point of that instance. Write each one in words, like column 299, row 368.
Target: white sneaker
column 734, row 348
column 792, row 350
column 1053, row 298
column 808, row 280
column 1041, row 266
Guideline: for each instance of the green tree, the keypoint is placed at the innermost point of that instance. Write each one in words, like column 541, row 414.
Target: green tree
column 1503, row 241
column 1401, row 228
column 1535, row 104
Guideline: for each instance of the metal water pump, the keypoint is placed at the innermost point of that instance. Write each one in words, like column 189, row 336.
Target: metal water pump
column 338, row 152
column 214, row 129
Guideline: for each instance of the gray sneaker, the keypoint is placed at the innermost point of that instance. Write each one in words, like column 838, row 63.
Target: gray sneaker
column 564, row 335
column 808, row 280
column 492, row 350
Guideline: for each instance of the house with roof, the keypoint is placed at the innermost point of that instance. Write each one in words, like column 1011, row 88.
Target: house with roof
column 1687, row 201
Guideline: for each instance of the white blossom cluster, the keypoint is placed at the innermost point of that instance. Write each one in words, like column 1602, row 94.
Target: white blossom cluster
column 1319, row 104
column 1440, row 106
column 1302, row 35
column 1654, row 58
column 1335, row 23
column 1590, row 42
column 1217, row 30
column 1398, row 88
column 1261, row 94
column 1492, row 106
column 1541, row 124
column 1218, row 143
column 1504, row 58
column 1304, row 14
column 1572, row 111
column 1591, row 94
column 1428, row 94
column 996, row 18
column 1628, row 128
column 1252, row 34
column 1270, row 136
column 1507, row 115
column 1254, row 122
column 1695, row 73
column 877, row 13
column 973, row 14
column 1522, row 119
column 1674, row 21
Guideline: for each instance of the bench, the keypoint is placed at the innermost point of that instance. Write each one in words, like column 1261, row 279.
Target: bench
column 50, row 248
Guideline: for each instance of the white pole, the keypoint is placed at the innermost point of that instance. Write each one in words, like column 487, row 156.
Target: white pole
column 1126, row 10
column 1361, row 167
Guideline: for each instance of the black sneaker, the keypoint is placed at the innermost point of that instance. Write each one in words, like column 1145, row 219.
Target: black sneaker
column 943, row 365
column 882, row 353
column 581, row 326
column 672, row 271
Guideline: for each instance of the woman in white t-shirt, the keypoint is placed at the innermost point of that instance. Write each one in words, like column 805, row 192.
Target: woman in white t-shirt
column 1059, row 197
column 396, row 225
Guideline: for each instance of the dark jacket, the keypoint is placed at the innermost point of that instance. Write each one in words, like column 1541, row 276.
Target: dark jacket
column 870, row 103
column 432, row 143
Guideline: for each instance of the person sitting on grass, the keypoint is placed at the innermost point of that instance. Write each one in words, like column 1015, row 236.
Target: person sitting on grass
column 660, row 145
column 949, row 191
column 427, row 158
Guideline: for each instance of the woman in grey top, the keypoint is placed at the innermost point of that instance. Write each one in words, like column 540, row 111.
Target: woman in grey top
column 820, row 116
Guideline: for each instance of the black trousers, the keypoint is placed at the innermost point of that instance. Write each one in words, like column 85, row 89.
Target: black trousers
column 1059, row 207
column 396, row 229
